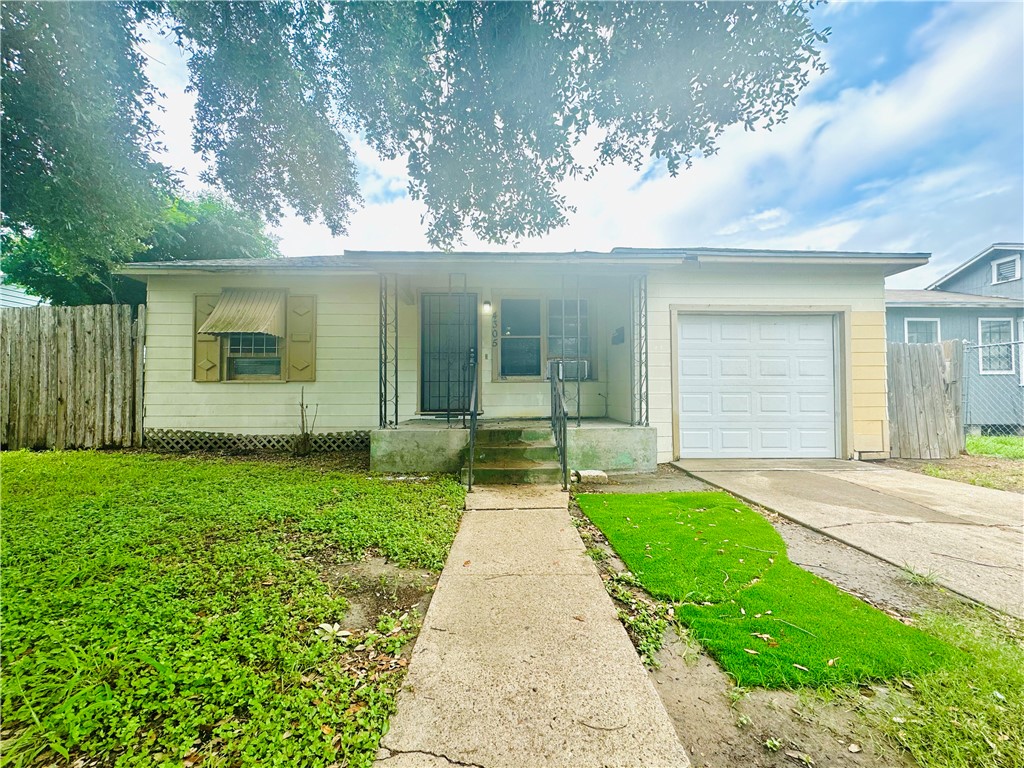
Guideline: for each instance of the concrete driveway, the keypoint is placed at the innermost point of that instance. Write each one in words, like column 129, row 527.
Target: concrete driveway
column 969, row 539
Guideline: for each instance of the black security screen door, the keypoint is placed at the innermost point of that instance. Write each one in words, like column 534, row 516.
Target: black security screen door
column 448, row 322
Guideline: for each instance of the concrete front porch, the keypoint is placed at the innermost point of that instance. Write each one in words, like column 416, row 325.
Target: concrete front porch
column 429, row 445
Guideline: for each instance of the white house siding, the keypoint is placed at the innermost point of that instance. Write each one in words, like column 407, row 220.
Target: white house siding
column 786, row 287
column 346, row 387
column 345, row 390
column 516, row 399
column 347, row 378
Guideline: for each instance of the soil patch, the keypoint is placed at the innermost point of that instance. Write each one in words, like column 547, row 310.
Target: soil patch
column 723, row 726
column 987, row 471
column 375, row 587
column 666, row 478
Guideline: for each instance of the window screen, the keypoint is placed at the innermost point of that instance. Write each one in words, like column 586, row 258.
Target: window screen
column 520, row 337
column 922, row 331
column 997, row 358
column 566, row 325
column 253, row 355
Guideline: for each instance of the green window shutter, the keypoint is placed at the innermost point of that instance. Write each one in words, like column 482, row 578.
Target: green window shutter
column 301, row 330
column 206, row 347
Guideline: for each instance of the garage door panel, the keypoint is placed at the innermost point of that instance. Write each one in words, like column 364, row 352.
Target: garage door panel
column 696, row 404
column 774, row 367
column 757, row 386
column 734, row 367
column 695, row 367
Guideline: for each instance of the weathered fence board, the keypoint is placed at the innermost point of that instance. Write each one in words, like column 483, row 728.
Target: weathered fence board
column 925, row 400
column 71, row 377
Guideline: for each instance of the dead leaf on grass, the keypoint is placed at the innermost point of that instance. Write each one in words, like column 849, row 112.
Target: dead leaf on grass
column 801, row 666
column 751, row 651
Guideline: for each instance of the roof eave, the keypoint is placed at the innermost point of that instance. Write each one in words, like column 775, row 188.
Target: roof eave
column 970, row 262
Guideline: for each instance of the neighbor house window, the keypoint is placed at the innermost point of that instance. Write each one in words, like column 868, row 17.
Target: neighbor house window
column 1005, row 270
column 253, row 356
column 520, row 337
column 996, row 352
column 922, row 330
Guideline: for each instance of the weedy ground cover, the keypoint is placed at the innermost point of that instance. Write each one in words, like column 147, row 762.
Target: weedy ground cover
column 170, row 610
column 969, row 715
column 1007, row 446
column 768, row 622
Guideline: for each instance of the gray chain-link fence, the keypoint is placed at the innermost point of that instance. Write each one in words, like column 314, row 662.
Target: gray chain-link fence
column 993, row 387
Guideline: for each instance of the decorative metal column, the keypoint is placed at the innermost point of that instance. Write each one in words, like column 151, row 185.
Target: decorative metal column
column 388, row 335
column 640, row 412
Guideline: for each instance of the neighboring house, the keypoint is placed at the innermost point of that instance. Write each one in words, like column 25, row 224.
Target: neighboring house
column 15, row 296
column 981, row 302
column 691, row 353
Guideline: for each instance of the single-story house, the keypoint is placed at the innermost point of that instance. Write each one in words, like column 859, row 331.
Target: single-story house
column 16, row 296
column 659, row 353
column 981, row 301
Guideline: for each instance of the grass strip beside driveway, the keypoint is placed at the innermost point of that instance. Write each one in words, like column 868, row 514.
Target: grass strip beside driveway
column 164, row 610
column 768, row 622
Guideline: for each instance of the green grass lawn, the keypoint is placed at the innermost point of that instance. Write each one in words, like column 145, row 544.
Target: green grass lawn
column 1006, row 446
column 157, row 610
column 767, row 622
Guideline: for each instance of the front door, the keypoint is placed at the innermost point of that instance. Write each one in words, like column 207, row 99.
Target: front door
column 448, row 324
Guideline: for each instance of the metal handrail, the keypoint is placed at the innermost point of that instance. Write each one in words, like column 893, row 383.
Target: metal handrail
column 559, row 428
column 472, row 416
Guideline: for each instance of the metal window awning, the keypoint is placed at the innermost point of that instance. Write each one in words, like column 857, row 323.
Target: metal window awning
column 247, row 311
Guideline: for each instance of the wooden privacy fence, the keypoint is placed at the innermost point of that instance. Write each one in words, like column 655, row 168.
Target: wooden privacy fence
column 926, row 400
column 71, row 377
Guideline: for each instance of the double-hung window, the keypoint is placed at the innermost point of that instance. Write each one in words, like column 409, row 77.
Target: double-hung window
column 520, row 337
column 537, row 334
column 995, row 354
column 921, row 330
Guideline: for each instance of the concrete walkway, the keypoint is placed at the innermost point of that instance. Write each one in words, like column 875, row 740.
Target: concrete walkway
column 522, row 661
column 970, row 539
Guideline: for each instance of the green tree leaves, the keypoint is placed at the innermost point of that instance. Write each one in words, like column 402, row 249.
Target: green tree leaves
column 493, row 104
column 207, row 228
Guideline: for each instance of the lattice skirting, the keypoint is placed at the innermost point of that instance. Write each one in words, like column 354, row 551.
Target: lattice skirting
column 183, row 440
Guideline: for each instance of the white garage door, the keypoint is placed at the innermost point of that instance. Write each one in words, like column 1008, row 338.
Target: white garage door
column 756, row 386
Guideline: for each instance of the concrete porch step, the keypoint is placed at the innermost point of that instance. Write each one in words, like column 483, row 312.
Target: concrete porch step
column 512, row 435
column 520, row 473
column 501, row 454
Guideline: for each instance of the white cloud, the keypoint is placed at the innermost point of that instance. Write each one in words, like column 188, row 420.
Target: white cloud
column 885, row 166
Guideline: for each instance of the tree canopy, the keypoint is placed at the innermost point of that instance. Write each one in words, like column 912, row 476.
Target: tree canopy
column 492, row 103
column 206, row 228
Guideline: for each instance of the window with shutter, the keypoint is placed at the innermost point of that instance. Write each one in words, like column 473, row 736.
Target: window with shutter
column 301, row 344
column 254, row 335
column 205, row 346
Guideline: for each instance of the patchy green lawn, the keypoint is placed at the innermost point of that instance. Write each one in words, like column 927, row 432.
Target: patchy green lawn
column 160, row 610
column 767, row 622
column 1007, row 446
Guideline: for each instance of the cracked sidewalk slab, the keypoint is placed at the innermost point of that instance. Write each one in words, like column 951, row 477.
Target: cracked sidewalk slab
column 968, row 539
column 522, row 660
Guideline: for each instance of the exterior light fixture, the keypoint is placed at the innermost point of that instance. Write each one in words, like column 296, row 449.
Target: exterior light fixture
column 487, row 307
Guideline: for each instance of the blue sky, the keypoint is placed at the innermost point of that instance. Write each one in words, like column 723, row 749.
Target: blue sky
column 912, row 141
